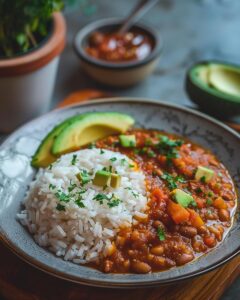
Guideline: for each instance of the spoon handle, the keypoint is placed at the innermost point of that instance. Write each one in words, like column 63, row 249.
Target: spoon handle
column 140, row 9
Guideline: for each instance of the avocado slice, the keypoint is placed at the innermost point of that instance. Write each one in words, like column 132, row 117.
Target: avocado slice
column 127, row 140
column 204, row 174
column 43, row 156
column 89, row 129
column 215, row 87
column 182, row 197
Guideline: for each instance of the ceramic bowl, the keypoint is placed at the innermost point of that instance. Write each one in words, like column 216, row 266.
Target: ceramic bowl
column 16, row 174
column 117, row 74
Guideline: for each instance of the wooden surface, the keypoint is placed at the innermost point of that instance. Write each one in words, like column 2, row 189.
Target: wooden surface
column 20, row 281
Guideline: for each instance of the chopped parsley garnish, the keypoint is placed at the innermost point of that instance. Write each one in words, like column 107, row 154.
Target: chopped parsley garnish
column 209, row 201
column 62, row 196
column 198, row 190
column 60, row 207
column 112, row 200
column 101, row 151
column 79, row 202
column 148, row 142
column 131, row 166
column 136, row 151
column 123, row 161
column 91, row 146
column 193, row 203
column 72, row 187
column 167, row 147
column 161, row 233
column 83, row 177
column 172, row 181
column 210, row 194
column 74, row 159
column 203, row 179
column 105, row 187
column 100, row 197
column 113, row 159
column 151, row 153
column 109, row 169
column 51, row 186
column 133, row 193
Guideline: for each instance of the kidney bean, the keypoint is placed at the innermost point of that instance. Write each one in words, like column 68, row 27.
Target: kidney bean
column 157, row 250
column 159, row 261
column 184, row 258
column 203, row 230
column 224, row 215
column 108, row 264
column 140, row 267
column 188, row 231
column 198, row 246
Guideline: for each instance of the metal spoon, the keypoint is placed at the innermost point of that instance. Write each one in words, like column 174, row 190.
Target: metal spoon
column 139, row 10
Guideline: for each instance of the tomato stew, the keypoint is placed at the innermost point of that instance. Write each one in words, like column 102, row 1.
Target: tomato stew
column 173, row 234
column 115, row 47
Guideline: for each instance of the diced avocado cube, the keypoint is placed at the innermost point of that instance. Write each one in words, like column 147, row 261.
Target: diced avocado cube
column 102, row 178
column 204, row 174
column 115, row 180
column 83, row 177
column 127, row 140
column 182, row 197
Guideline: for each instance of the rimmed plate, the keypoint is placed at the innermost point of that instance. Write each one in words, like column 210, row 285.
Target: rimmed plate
column 16, row 173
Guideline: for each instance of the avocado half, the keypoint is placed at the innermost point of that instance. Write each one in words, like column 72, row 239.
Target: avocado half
column 215, row 87
column 78, row 131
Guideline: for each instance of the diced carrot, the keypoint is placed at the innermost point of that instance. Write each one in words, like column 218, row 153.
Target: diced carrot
column 219, row 203
column 200, row 202
column 178, row 213
column 158, row 193
column 195, row 219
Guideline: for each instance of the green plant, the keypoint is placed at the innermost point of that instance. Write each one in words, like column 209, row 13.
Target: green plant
column 24, row 23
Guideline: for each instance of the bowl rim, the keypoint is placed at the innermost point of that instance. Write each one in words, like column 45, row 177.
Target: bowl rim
column 93, row 26
column 106, row 282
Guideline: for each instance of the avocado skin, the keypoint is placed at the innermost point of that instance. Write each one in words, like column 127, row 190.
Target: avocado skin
column 209, row 103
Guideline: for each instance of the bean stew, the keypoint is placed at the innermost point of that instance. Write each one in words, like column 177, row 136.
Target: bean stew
column 191, row 204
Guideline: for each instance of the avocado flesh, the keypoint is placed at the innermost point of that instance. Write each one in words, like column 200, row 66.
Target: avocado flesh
column 203, row 172
column 182, row 198
column 43, row 156
column 89, row 129
column 218, row 79
column 225, row 79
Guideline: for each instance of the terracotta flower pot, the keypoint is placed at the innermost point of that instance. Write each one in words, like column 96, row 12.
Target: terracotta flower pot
column 27, row 81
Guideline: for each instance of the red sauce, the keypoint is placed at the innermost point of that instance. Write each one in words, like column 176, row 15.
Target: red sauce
column 164, row 239
column 115, row 47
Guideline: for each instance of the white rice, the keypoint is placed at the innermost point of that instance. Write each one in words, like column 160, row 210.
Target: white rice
column 82, row 234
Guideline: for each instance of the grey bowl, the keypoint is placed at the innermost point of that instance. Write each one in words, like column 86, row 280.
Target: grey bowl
column 111, row 73
column 16, row 173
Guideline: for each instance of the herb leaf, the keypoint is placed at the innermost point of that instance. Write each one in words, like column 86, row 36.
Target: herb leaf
column 172, row 181
column 167, row 147
column 74, row 159
column 161, row 233
column 60, row 207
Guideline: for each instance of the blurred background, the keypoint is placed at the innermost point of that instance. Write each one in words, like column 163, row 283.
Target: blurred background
column 192, row 30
